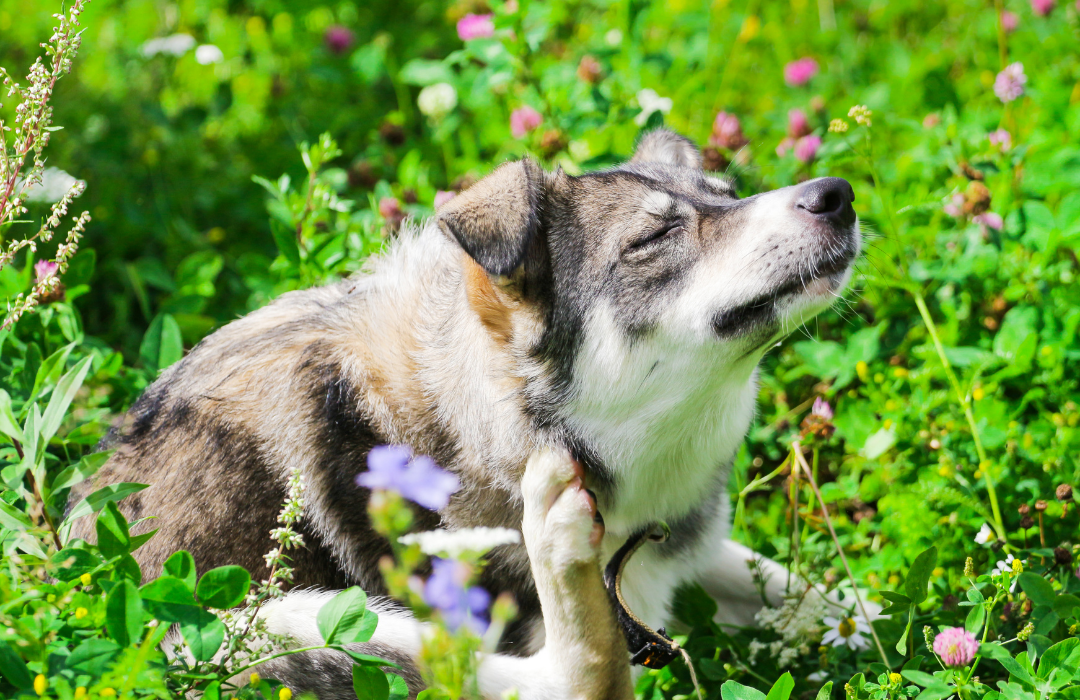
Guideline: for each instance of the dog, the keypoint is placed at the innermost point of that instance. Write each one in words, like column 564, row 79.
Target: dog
column 565, row 345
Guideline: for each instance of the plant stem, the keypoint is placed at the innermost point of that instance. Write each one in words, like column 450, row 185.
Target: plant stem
column 969, row 414
column 797, row 450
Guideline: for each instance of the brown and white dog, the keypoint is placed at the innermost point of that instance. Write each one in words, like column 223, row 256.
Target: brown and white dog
column 613, row 320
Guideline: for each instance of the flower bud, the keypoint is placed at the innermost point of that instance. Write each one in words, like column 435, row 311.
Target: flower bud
column 1025, row 634
column 969, row 568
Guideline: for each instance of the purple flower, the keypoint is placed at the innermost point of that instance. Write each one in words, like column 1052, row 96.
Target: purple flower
column 1009, row 83
column 799, row 72
column 797, row 124
column 473, row 26
column 990, row 220
column 822, row 408
column 727, row 132
column 956, row 647
column 419, row 479
column 447, row 591
column 1001, row 138
column 1042, row 7
column 1009, row 21
column 442, row 197
column 523, row 120
column 955, row 207
column 338, row 39
column 784, row 146
column 44, row 269
column 807, row 147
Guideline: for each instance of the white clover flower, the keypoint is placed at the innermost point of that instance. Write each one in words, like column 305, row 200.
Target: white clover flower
column 174, row 45
column 845, row 631
column 1006, row 567
column 650, row 102
column 613, row 37
column 207, row 54
column 454, row 543
column 985, row 536
column 436, row 101
column 55, row 183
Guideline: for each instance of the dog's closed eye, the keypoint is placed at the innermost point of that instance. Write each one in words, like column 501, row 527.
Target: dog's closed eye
column 657, row 235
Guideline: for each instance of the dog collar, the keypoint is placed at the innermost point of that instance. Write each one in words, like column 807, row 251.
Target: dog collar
column 648, row 648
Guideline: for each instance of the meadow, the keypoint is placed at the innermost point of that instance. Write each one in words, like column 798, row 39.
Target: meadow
column 915, row 445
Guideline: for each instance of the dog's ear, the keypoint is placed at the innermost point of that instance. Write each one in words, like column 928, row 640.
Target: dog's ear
column 496, row 219
column 669, row 148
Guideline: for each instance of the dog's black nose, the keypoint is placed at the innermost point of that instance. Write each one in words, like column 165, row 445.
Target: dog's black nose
column 828, row 198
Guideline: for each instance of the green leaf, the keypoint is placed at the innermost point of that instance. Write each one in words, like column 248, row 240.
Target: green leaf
column 203, row 632
column 1038, row 589
column 370, row 683
column 365, row 659
column 1065, row 655
column 900, row 603
column 8, row 424
column 782, row 688
column 224, row 587
column 13, row 667
column 80, row 471
column 61, row 398
column 1066, row 604
column 732, row 690
column 936, row 692
column 826, row 692
column 14, row 519
column 181, row 565
column 399, row 690
column 139, row 540
column 124, row 614
column 96, row 501
column 920, row 678
column 878, row 444
column 423, row 72
column 169, row 599
column 285, row 238
column 919, row 575
column 112, row 532
column 345, row 619
column 50, row 370
column 693, row 606
column 73, row 563
column 162, row 345
column 93, row 656
column 976, row 618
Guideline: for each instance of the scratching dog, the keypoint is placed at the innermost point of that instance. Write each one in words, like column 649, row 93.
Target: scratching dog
column 563, row 344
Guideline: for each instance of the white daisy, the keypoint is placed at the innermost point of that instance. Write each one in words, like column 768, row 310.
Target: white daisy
column 845, row 631
column 985, row 536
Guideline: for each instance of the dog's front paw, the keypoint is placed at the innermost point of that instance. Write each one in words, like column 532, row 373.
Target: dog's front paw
column 561, row 525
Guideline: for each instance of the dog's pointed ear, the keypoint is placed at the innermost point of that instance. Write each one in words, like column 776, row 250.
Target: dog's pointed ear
column 496, row 219
column 669, row 148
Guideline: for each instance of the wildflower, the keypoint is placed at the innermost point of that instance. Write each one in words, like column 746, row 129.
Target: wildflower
column 956, row 647
column 338, row 39
column 174, row 45
column 207, row 54
column 727, row 132
column 650, row 102
column 1017, row 567
column 54, row 184
column 523, row 120
column 838, row 126
column 797, row 124
column 442, row 197
column 990, row 220
column 107, row 692
column 846, row 631
column 1001, row 138
column 807, row 147
column 80, row 613
column 1009, row 83
column 590, row 70
column 254, row 679
column 473, row 26
column 1025, row 634
column 44, row 269
column 80, row 692
column 751, row 26
column 285, row 693
column 41, row 684
column 969, row 567
column 454, row 543
column 419, row 479
column 1006, row 567
column 438, row 100
column 1009, row 21
column 819, row 422
column 955, row 207
column 1042, row 7
column 800, row 71
column 822, row 408
column 896, row 678
column 447, row 591
column 390, row 210
column 861, row 114
column 928, row 637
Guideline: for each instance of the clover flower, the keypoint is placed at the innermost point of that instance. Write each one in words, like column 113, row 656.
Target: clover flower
column 1009, row 83
column 523, row 120
column 473, row 26
column 1042, row 7
column 438, row 100
column 207, row 54
column 338, row 39
column 44, row 269
column 797, row 124
column 1008, row 566
column 650, row 101
column 822, row 409
column 807, row 147
column 985, row 535
column 454, row 543
column 956, row 647
column 1000, row 138
column 419, row 479
column 799, row 72
column 989, row 219
column 1009, row 21
column 727, row 132
column 447, row 591
column 847, row 631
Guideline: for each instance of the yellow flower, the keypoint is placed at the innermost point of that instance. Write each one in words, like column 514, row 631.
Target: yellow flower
column 85, row 579
column 284, row 693
column 750, row 28
column 861, row 368
column 939, row 571
column 41, row 684
column 978, row 394
column 895, row 678
column 900, row 372
column 861, row 114
column 255, row 679
column 839, row 126
column 106, row 692
column 80, row 693
column 888, row 423
column 80, row 613
column 891, row 405
column 1017, row 567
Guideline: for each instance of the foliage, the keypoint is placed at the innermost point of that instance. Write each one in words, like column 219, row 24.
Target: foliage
column 944, row 457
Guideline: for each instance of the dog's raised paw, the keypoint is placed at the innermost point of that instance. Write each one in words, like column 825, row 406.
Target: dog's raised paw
column 561, row 525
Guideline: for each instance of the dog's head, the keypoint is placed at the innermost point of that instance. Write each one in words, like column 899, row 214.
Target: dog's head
column 659, row 247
